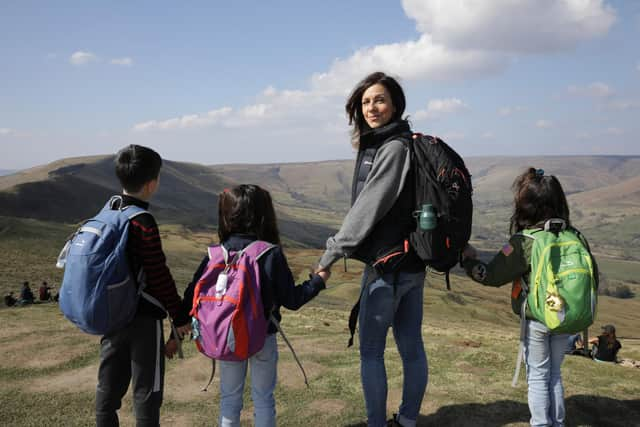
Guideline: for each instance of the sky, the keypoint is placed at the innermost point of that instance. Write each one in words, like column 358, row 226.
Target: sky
column 216, row 82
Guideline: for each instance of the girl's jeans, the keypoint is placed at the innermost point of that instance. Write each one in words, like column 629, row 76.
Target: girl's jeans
column 544, row 353
column 263, row 383
column 392, row 300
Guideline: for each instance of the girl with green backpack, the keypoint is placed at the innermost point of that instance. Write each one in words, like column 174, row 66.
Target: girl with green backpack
column 554, row 287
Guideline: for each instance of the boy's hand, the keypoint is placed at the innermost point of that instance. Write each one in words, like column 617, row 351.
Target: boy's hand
column 170, row 348
column 183, row 330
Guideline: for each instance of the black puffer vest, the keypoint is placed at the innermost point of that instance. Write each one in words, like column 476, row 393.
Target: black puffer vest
column 389, row 234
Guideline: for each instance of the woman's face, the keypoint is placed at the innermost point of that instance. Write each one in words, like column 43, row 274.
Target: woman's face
column 377, row 107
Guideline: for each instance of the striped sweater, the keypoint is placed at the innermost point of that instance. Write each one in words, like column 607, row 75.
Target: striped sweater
column 145, row 251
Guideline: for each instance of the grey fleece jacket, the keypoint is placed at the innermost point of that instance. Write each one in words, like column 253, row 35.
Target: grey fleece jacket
column 381, row 190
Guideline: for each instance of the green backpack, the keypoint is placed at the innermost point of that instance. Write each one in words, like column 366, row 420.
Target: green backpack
column 563, row 281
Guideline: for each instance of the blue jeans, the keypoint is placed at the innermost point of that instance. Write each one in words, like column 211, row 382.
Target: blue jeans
column 263, row 367
column 544, row 353
column 392, row 300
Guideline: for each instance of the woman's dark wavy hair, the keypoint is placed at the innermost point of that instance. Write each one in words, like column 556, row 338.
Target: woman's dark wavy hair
column 247, row 209
column 537, row 198
column 353, row 107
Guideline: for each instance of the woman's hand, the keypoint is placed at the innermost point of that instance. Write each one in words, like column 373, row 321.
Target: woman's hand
column 324, row 275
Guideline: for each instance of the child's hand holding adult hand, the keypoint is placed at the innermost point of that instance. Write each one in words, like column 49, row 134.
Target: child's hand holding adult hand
column 170, row 348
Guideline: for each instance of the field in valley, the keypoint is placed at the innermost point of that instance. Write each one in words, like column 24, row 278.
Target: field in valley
column 48, row 368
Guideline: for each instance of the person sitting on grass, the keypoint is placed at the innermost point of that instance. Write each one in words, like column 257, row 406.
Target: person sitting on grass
column 10, row 300
column 44, row 292
column 26, row 296
column 575, row 344
column 606, row 345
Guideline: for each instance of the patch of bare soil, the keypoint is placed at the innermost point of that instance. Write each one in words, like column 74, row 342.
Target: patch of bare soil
column 83, row 379
column 468, row 368
column 317, row 346
column 185, row 378
column 290, row 376
column 30, row 351
column 468, row 343
column 325, row 406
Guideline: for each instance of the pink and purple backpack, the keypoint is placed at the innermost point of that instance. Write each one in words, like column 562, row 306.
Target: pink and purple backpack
column 229, row 320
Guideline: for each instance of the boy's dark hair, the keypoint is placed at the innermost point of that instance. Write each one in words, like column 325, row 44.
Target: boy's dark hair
column 136, row 165
column 537, row 198
column 247, row 209
column 353, row 106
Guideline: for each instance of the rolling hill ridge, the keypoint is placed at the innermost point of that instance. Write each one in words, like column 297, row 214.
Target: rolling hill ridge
column 312, row 198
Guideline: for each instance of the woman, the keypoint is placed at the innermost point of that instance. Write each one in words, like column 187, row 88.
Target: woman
column 606, row 345
column 375, row 232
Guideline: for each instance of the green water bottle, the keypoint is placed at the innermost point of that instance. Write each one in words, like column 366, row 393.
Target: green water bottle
column 427, row 218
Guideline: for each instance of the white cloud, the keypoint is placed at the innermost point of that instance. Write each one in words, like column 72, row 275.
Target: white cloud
column 184, row 122
column 592, row 90
column 544, row 124
column 459, row 40
column 614, row 131
column 507, row 111
column 82, row 58
column 273, row 107
column 413, row 60
column 522, row 26
column 438, row 107
column 622, row 105
column 124, row 61
column 15, row 133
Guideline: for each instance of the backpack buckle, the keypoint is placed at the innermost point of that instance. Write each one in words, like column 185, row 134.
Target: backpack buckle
column 555, row 225
column 115, row 203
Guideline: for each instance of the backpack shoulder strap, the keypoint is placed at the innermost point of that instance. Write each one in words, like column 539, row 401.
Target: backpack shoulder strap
column 257, row 249
column 211, row 252
column 530, row 233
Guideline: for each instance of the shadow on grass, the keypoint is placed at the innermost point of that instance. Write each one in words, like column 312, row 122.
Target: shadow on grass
column 582, row 410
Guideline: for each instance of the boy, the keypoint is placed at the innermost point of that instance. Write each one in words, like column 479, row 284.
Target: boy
column 135, row 353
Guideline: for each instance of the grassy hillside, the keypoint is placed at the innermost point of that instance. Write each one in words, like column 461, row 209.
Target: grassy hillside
column 48, row 369
column 72, row 190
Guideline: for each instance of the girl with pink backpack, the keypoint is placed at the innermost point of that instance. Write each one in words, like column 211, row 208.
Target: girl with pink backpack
column 235, row 298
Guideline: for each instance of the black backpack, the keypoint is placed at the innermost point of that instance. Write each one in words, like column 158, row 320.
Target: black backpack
column 442, row 180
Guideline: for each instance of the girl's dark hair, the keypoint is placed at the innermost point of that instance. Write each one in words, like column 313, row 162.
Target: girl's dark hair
column 353, row 106
column 247, row 209
column 537, row 198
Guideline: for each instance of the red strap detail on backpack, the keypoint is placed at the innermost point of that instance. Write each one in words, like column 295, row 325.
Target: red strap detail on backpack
column 448, row 242
column 516, row 288
column 241, row 334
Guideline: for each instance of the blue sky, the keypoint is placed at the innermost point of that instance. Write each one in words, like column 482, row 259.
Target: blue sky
column 226, row 82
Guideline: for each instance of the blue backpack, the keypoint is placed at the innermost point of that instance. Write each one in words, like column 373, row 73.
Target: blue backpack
column 99, row 292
